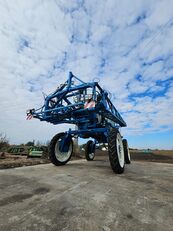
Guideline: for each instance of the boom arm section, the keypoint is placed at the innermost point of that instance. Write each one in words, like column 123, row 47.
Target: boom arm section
column 67, row 105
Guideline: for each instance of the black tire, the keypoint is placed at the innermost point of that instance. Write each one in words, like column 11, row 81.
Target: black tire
column 126, row 152
column 53, row 150
column 90, row 150
column 116, row 151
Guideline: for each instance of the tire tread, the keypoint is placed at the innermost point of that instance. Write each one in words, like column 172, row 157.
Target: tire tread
column 112, row 150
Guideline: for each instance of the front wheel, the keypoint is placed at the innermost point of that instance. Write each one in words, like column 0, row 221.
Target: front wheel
column 57, row 154
column 90, row 150
column 116, row 151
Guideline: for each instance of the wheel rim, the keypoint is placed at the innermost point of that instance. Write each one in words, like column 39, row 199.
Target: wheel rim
column 91, row 155
column 120, row 150
column 62, row 156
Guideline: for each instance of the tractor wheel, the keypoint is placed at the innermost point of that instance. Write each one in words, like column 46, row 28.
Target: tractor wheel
column 56, row 156
column 126, row 152
column 90, row 150
column 116, row 151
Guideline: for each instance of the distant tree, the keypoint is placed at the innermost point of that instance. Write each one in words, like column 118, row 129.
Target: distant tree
column 30, row 143
column 47, row 143
column 38, row 143
column 4, row 143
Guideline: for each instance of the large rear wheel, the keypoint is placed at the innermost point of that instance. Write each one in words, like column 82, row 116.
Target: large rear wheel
column 57, row 154
column 116, row 151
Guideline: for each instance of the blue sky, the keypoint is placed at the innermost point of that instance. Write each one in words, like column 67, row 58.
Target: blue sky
column 127, row 45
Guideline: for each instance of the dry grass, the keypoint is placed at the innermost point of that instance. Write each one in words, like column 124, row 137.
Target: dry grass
column 164, row 156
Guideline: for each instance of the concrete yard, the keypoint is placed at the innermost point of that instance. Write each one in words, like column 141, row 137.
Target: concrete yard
column 87, row 196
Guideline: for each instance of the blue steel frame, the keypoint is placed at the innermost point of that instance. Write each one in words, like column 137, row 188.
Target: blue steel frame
column 59, row 107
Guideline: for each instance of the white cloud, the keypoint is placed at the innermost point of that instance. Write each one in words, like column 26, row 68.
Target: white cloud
column 128, row 46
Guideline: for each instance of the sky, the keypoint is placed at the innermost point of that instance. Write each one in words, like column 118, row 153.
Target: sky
column 127, row 45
